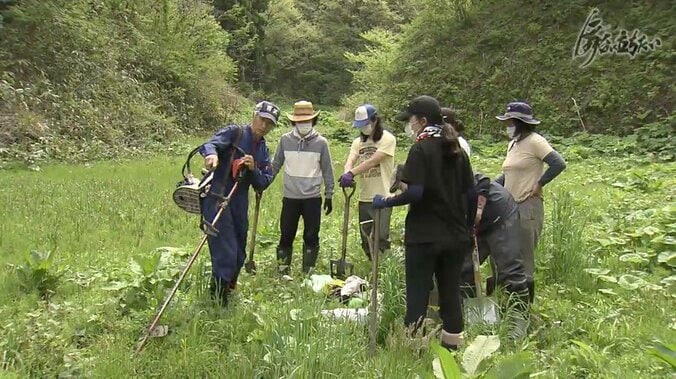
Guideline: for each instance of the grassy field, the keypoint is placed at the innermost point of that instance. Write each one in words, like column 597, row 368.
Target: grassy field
column 605, row 294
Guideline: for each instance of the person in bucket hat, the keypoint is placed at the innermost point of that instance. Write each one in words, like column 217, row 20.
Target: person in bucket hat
column 523, row 176
column 304, row 154
column 371, row 159
column 235, row 152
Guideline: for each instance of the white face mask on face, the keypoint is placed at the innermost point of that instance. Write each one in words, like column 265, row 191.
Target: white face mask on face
column 511, row 130
column 366, row 130
column 410, row 132
column 304, row 128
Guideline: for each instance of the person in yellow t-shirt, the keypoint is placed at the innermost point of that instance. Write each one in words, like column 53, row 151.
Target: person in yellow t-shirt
column 372, row 159
column 523, row 176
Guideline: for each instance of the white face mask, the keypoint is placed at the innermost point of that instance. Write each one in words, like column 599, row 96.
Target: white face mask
column 510, row 131
column 409, row 131
column 304, row 128
column 366, row 130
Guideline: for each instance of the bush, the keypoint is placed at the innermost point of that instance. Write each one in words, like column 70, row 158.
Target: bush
column 75, row 75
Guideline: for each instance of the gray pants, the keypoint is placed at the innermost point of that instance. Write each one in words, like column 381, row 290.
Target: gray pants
column 366, row 213
column 531, row 219
column 502, row 244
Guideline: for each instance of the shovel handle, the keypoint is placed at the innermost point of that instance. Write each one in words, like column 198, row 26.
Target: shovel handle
column 346, row 219
column 476, row 265
column 373, row 311
column 252, row 243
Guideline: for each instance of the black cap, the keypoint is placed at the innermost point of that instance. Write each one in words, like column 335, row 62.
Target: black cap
column 423, row 106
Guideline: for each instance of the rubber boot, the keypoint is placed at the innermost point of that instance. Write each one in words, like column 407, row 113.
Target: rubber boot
column 219, row 291
column 531, row 291
column 451, row 341
column 310, row 255
column 519, row 314
column 284, row 260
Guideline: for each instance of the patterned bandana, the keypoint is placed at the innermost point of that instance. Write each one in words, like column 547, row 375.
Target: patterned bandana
column 433, row 131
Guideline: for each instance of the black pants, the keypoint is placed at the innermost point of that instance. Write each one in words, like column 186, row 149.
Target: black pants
column 443, row 261
column 292, row 210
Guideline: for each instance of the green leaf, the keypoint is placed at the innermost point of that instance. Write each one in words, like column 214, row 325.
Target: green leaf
column 449, row 367
column 668, row 258
column 606, row 278
column 665, row 352
column 517, row 366
column 115, row 286
column 607, row 291
column 597, row 271
column 481, row 348
column 633, row 258
column 631, row 282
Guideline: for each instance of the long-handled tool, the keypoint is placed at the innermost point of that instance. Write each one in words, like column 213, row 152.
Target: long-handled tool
column 193, row 257
column 340, row 267
column 373, row 307
column 250, row 265
column 479, row 309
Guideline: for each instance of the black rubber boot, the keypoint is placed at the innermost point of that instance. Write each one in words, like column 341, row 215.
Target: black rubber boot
column 531, row 291
column 284, row 260
column 219, row 291
column 310, row 255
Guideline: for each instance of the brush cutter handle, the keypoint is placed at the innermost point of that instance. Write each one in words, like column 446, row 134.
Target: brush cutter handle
column 192, row 259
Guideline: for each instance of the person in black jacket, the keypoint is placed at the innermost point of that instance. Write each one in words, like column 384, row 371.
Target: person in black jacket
column 438, row 176
column 496, row 224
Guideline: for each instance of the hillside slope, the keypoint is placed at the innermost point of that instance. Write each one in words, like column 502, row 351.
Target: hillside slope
column 479, row 55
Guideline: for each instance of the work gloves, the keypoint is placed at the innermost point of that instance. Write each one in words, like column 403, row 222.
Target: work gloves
column 328, row 206
column 347, row 179
column 379, row 202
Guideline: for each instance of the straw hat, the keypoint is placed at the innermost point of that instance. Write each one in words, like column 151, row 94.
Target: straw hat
column 302, row 111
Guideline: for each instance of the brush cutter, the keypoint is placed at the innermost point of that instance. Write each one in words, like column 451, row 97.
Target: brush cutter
column 151, row 329
column 373, row 307
column 340, row 267
column 250, row 265
column 479, row 308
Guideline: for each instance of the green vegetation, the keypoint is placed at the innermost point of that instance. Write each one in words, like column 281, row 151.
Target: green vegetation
column 117, row 242
column 102, row 99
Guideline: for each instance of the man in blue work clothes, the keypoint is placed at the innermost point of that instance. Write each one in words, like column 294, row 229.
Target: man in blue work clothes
column 234, row 153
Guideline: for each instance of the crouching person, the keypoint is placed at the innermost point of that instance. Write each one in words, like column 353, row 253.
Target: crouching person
column 234, row 153
column 496, row 222
column 306, row 159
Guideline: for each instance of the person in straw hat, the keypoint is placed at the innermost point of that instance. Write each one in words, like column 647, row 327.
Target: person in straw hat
column 304, row 154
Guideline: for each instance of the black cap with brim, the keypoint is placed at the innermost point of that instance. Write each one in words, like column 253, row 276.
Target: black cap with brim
column 404, row 116
column 424, row 106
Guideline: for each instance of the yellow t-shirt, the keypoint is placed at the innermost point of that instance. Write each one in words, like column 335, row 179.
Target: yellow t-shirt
column 524, row 165
column 375, row 181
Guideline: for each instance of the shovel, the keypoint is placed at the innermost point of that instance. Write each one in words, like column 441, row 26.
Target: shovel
column 479, row 309
column 340, row 267
column 373, row 309
column 250, row 265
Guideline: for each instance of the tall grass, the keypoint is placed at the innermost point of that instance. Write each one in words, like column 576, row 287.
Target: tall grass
column 566, row 252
